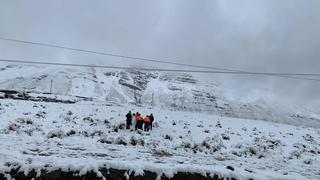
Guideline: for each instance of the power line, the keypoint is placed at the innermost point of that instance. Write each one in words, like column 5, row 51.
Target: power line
column 110, row 54
column 286, row 75
column 300, row 78
column 153, row 60
column 153, row 69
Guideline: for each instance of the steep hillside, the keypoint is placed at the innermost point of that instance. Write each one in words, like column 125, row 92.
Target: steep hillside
column 151, row 89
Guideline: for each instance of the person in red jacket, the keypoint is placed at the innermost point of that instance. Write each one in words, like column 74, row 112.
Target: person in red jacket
column 147, row 122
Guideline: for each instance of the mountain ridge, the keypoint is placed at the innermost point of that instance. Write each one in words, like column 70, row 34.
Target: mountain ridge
column 173, row 91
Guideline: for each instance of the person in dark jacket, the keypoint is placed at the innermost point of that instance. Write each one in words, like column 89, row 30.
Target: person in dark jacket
column 151, row 120
column 129, row 119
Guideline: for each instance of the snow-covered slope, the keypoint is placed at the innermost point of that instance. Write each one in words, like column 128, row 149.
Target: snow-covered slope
column 83, row 137
column 153, row 89
column 198, row 128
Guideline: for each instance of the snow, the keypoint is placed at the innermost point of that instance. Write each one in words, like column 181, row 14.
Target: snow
column 90, row 136
column 168, row 91
column 199, row 126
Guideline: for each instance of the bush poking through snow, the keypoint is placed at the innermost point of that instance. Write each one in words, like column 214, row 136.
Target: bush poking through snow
column 85, row 133
column 56, row 133
column 259, row 149
column 121, row 126
column 168, row 137
column 307, row 161
column 21, row 125
column 69, row 113
column 141, row 142
column 218, row 125
column 301, row 149
column 265, row 143
column 41, row 115
column 230, row 168
column 161, row 153
column 71, row 133
column 106, row 122
column 187, row 145
column 208, row 145
column 133, row 141
column 89, row 119
column 200, row 125
column 215, row 143
column 96, row 133
column 308, row 138
column 24, row 121
column 121, row 141
column 205, row 144
column 13, row 127
column 106, row 141
column 225, row 136
column 115, row 129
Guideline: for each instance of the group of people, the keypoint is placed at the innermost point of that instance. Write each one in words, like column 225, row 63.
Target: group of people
column 139, row 122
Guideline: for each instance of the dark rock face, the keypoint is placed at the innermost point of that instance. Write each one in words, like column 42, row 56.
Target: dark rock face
column 136, row 80
column 9, row 94
column 131, row 86
column 186, row 78
column 110, row 174
column 141, row 79
column 182, row 78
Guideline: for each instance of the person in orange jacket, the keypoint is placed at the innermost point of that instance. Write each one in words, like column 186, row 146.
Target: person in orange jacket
column 139, row 120
column 147, row 122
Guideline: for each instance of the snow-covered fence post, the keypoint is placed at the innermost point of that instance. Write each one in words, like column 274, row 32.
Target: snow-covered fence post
column 51, row 86
column 183, row 98
column 152, row 100
column 135, row 97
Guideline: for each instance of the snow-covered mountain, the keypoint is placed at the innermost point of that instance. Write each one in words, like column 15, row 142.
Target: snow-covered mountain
column 173, row 91
column 63, row 135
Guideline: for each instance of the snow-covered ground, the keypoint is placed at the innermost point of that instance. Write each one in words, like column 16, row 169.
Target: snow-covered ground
column 88, row 136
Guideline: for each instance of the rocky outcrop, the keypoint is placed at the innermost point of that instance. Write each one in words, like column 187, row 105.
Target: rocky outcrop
column 44, row 97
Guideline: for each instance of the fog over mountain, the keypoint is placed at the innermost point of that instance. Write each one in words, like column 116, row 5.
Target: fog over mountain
column 249, row 35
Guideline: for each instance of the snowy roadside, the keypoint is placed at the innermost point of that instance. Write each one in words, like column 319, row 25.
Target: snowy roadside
column 85, row 137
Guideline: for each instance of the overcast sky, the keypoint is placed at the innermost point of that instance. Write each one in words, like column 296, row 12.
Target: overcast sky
column 250, row 35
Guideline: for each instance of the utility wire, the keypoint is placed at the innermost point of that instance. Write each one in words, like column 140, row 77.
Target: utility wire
column 110, row 54
column 286, row 75
column 153, row 69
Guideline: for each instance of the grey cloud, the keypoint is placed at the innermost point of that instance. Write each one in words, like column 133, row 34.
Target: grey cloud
column 265, row 35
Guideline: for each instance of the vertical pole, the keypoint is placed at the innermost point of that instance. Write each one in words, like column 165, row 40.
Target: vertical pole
column 183, row 99
column 152, row 99
column 51, row 86
column 135, row 97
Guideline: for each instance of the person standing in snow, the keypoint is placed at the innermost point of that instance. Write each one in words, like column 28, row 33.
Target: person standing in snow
column 139, row 122
column 134, row 121
column 151, row 120
column 146, row 121
column 129, row 119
